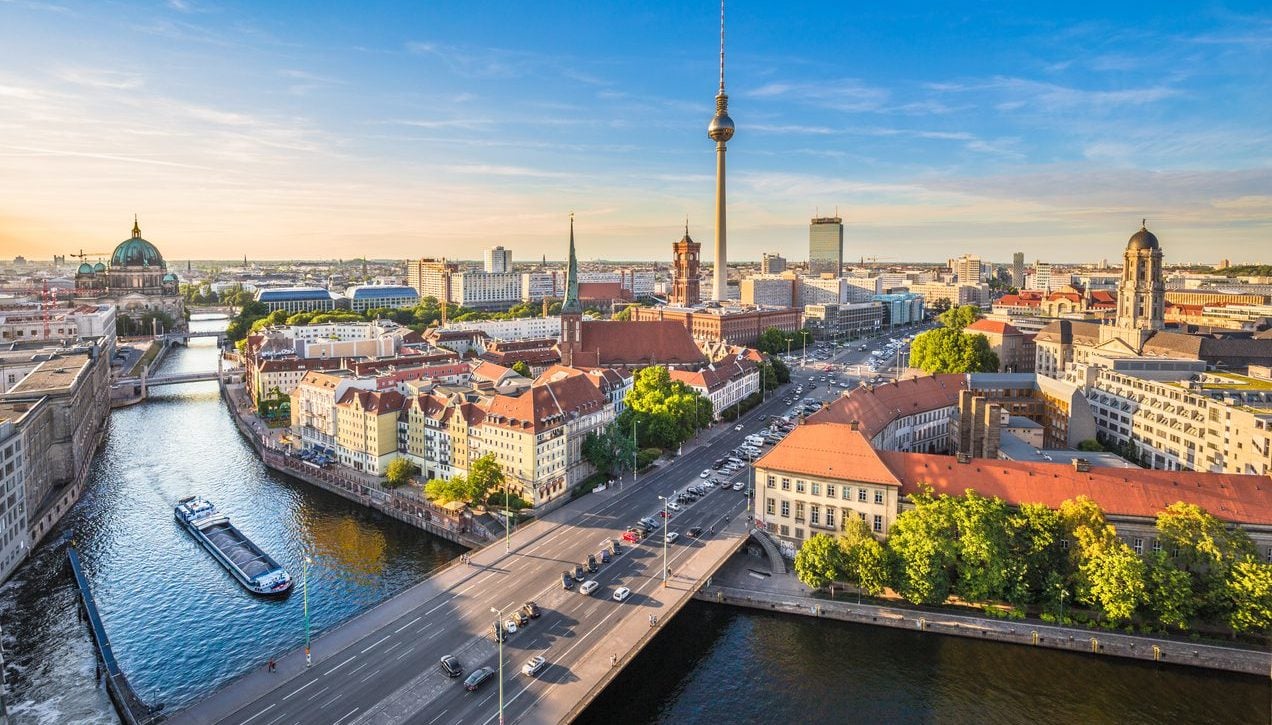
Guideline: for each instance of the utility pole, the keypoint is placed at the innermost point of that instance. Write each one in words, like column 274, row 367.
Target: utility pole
column 666, row 521
column 500, row 636
column 304, row 584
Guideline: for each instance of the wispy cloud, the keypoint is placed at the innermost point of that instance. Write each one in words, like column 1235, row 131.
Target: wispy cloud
column 101, row 78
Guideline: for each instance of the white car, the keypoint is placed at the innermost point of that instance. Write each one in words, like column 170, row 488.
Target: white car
column 739, row 486
column 672, row 536
column 622, row 593
column 534, row 666
column 510, row 626
column 589, row 586
column 673, row 505
column 705, row 472
column 737, row 427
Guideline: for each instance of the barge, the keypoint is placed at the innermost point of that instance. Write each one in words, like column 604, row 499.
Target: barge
column 254, row 569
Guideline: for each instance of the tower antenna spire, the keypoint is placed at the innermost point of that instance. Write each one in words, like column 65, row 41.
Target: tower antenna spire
column 721, row 46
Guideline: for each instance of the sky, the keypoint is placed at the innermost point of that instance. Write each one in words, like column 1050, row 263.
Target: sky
column 311, row 130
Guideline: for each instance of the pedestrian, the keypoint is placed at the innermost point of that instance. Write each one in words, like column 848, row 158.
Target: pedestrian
column 613, row 660
column 273, row 666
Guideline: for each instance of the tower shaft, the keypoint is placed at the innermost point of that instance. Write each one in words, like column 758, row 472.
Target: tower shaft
column 720, row 275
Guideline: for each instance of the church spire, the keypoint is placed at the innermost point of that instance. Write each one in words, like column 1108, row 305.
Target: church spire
column 571, row 303
column 136, row 228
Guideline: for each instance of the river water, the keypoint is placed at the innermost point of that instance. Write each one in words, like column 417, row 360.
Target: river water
column 180, row 624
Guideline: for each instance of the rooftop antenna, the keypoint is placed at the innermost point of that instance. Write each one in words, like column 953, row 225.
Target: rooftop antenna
column 722, row 47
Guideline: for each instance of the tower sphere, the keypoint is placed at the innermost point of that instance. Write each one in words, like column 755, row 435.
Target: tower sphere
column 721, row 128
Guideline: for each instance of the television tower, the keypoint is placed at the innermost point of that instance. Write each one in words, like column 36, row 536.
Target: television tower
column 720, row 130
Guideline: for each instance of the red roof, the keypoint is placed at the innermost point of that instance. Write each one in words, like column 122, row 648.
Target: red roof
column 1141, row 493
column 993, row 327
column 602, row 291
column 831, row 450
column 875, row 407
column 616, row 343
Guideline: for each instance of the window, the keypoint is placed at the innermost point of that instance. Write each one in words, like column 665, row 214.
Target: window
column 816, row 489
column 799, row 533
column 1157, row 545
column 814, row 515
column 878, row 496
column 862, row 514
column 786, row 509
column 786, row 484
column 786, row 530
column 878, row 523
column 1139, row 546
column 861, row 495
column 768, row 507
column 830, row 490
column 772, row 482
column 799, row 486
column 830, row 520
column 847, row 493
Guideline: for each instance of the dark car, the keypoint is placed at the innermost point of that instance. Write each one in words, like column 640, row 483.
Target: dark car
column 579, row 575
column 478, row 677
column 592, row 566
column 566, row 581
column 531, row 609
column 605, row 556
column 450, row 666
column 695, row 532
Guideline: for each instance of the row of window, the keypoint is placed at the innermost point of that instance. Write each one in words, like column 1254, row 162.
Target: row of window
column 816, row 488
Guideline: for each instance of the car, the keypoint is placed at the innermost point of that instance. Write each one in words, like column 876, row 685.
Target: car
column 592, row 566
column 605, row 556
column 631, row 537
column 589, row 586
column 497, row 633
column 705, row 472
column 673, row 505
column 578, row 573
column 622, row 593
column 567, row 582
column 534, row 665
column 739, row 486
column 672, row 536
column 695, row 532
column 531, row 610
column 478, row 677
column 665, row 514
column 737, row 427
column 521, row 618
column 610, row 544
column 510, row 625
column 450, row 666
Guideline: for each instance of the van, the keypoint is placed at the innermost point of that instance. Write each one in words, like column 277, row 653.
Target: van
column 755, row 440
column 589, row 586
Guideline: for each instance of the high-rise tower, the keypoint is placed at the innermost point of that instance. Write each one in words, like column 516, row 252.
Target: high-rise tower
column 826, row 246
column 720, row 130
column 1141, row 294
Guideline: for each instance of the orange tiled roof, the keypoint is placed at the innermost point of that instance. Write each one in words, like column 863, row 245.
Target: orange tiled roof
column 830, row 450
column 617, row 343
column 993, row 327
column 874, row 408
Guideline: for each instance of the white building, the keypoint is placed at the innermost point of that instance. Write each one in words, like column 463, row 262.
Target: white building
column 497, row 260
column 370, row 297
column 526, row 328
column 725, row 383
column 537, row 286
column 14, row 538
column 768, row 289
column 485, row 290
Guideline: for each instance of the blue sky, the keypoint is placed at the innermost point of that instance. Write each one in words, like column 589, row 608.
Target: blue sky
column 290, row 130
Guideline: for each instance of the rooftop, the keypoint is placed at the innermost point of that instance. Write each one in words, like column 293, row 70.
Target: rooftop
column 829, row 450
column 52, row 375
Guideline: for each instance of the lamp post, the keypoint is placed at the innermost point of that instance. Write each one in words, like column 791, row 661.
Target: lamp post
column 507, row 521
column 304, row 585
column 635, row 448
column 750, row 489
column 499, row 631
column 1062, row 595
column 804, row 335
column 665, row 531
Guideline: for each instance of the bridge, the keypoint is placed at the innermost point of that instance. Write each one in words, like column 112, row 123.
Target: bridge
column 184, row 337
column 172, row 379
column 381, row 667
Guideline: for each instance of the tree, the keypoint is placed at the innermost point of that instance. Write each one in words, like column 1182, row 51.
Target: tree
column 1090, row 445
column 1088, row 533
column 1169, row 594
column 948, row 350
column 923, row 540
column 772, row 341
column 666, row 411
column 1116, row 577
column 780, row 370
column 768, row 378
column 1206, row 548
column 1249, row 592
column 1035, row 562
column 484, row 475
column 610, row 450
column 446, row 491
column 522, row 368
column 819, row 562
column 625, row 314
column 941, row 304
column 982, row 547
column 865, row 559
column 399, row 471
column 959, row 317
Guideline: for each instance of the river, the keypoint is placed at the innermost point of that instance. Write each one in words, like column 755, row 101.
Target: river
column 181, row 625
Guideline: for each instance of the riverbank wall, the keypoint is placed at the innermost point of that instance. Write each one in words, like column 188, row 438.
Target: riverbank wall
column 130, row 707
column 1094, row 642
column 400, row 505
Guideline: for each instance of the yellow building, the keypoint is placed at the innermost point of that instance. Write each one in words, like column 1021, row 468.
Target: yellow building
column 366, row 429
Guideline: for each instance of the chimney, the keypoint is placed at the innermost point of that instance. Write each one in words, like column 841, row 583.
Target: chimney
column 854, row 425
column 962, row 457
column 1081, row 465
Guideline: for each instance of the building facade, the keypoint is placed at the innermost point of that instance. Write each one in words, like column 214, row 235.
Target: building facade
column 826, row 246
column 369, row 297
column 296, row 299
column 497, row 260
column 685, row 273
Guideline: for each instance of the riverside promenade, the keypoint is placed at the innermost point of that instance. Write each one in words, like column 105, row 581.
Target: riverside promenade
column 744, row 582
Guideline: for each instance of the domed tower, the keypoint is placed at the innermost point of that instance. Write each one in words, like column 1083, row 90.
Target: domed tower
column 1141, row 294
column 136, row 266
column 720, row 130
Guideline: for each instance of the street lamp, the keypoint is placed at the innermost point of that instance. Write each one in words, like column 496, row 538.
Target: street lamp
column 804, row 334
column 500, row 637
column 665, row 531
column 507, row 521
column 1062, row 595
column 304, row 585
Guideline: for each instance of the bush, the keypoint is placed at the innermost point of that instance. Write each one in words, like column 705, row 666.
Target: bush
column 1047, row 617
column 646, row 456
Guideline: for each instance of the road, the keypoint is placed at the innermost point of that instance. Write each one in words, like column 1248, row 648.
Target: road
column 391, row 674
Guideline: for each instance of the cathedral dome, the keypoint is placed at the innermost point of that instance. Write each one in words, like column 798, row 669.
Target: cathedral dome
column 1143, row 239
column 170, row 277
column 136, row 252
column 85, row 268
column 99, row 267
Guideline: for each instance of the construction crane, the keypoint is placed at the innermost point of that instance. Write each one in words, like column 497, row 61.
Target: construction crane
column 84, row 255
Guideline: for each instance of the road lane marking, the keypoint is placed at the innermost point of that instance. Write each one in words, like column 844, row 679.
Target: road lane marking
column 373, row 674
column 373, row 644
column 342, row 664
column 413, row 621
column 262, row 712
column 355, row 669
column 346, row 717
column 439, row 716
column 298, row 689
column 392, row 647
column 404, row 654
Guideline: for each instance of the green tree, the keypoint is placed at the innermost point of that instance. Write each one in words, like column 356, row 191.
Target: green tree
column 772, row 341
column 1088, row 534
column 666, row 411
column 625, row 314
column 957, row 318
column 484, row 475
column 446, row 491
column 1169, row 594
column 1249, row 592
column 522, row 368
column 399, row 471
column 1090, row 445
column 768, row 378
column 946, row 350
column 1036, row 563
column 865, row 559
column 819, row 562
column 982, row 547
column 780, row 370
column 1206, row 548
column 1116, row 577
column 610, row 450
column 924, row 542
column 941, row 304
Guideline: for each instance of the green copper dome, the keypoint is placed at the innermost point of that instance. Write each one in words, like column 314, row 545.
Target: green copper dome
column 99, row 267
column 85, row 268
column 136, row 252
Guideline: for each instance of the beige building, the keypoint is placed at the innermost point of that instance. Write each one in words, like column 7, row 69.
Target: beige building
column 1015, row 349
column 366, row 429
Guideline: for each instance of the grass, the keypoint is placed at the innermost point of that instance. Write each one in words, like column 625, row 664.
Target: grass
column 146, row 358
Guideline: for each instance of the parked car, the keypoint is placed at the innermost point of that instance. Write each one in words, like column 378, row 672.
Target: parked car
column 567, row 582
column 605, row 556
column 705, row 472
column 497, row 633
column 531, row 610
column 520, row 618
column 450, row 666
column 672, row 536
column 739, row 485
column 510, row 625
column 622, row 593
column 592, row 566
column 631, row 537
column 534, row 665
column 673, row 505
column 478, row 677
column 589, row 586
column 578, row 573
